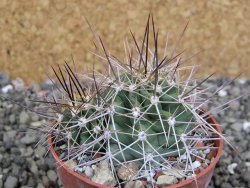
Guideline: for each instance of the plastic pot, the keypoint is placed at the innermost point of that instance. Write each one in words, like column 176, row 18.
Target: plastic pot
column 71, row 179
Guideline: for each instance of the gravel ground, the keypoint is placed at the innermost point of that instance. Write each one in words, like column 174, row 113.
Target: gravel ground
column 24, row 165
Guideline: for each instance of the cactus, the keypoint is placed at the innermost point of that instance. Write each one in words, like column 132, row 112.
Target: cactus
column 143, row 111
column 147, row 119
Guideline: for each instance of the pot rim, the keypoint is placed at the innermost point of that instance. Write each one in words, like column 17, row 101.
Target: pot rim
column 210, row 167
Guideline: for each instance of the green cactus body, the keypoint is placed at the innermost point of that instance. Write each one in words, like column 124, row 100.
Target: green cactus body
column 141, row 120
column 145, row 111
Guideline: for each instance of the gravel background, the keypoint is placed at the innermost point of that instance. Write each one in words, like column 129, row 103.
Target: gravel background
column 24, row 165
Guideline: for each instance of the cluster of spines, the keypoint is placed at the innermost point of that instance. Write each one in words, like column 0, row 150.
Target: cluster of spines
column 95, row 106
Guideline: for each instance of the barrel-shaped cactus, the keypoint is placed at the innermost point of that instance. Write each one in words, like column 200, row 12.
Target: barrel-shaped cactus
column 141, row 118
column 142, row 112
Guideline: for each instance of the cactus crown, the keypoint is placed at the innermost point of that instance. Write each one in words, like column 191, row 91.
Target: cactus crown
column 142, row 111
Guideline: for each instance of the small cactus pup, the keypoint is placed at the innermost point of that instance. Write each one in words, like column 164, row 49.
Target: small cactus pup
column 141, row 123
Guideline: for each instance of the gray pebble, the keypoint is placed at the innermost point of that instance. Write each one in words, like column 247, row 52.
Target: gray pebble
column 166, row 180
column 236, row 127
column 45, row 180
column 39, row 185
column 24, row 117
column 52, row 175
column 11, row 182
column 5, row 79
column 226, row 185
column 247, row 155
column 29, row 138
column 134, row 184
column 12, row 119
column 28, row 152
column 89, row 172
column 15, row 170
column 40, row 151
column 33, row 167
column 246, row 177
column 234, row 105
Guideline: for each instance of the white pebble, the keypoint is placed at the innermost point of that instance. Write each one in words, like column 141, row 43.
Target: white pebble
column 247, row 164
column 89, row 172
column 7, row 88
column 18, row 84
column 79, row 169
column 93, row 167
column 196, row 164
column 222, row 93
column 242, row 81
column 207, row 151
column 246, row 126
column 183, row 157
column 49, row 82
column 231, row 167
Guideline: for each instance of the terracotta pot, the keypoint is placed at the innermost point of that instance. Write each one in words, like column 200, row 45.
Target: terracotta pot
column 71, row 179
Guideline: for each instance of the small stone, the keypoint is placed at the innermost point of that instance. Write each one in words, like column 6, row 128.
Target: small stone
column 246, row 176
column 12, row 119
column 45, row 180
column 166, row 180
column 234, row 105
column 242, row 81
column 28, row 152
column 103, row 174
column 183, row 157
column 196, row 164
column 24, row 117
column 50, row 162
column 247, row 155
column 222, row 93
column 29, row 138
column 207, row 151
column 134, row 184
column 207, row 161
column 246, row 127
column 33, row 168
column 11, row 134
column 39, row 185
column 127, row 171
column 52, row 175
column 40, row 151
column 80, row 169
column 71, row 164
column 231, row 167
column 174, row 172
column 89, row 172
column 15, row 170
column 11, row 182
column 226, row 185
column 5, row 79
column 235, row 91
column 36, row 124
column 247, row 164
column 18, row 84
column 7, row 88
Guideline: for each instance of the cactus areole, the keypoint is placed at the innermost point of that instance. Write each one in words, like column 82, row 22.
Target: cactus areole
column 145, row 110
